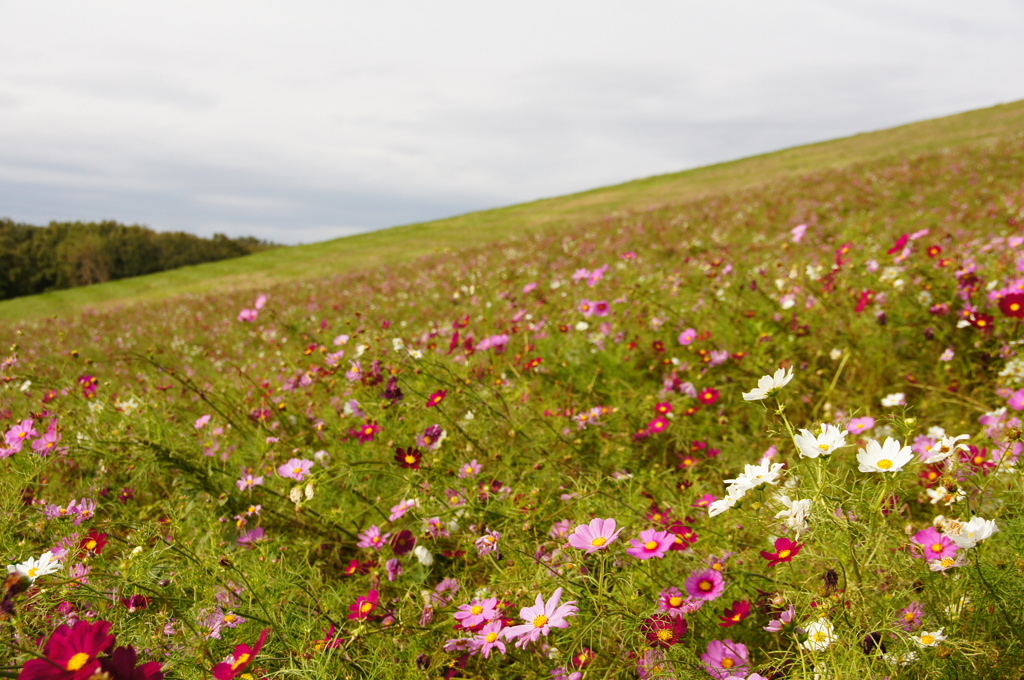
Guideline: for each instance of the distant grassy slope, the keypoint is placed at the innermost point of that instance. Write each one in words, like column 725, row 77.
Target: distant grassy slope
column 401, row 243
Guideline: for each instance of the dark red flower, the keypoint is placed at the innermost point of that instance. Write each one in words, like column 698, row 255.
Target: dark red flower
column 408, row 458
column 684, row 535
column 365, row 433
column 659, row 424
column 93, row 542
column 403, row 542
column 241, row 659
column 663, row 630
column 785, row 550
column 1012, row 305
column 933, row 251
column 120, row 665
column 70, row 653
column 739, row 610
column 981, row 321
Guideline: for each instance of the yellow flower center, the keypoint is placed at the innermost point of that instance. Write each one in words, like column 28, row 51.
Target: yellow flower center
column 410, row 459
column 664, row 635
column 599, row 541
column 675, row 601
column 32, row 574
column 705, row 585
column 717, row 566
column 651, row 545
column 884, row 464
column 77, row 661
column 820, row 636
column 823, row 447
column 230, row 618
column 296, row 470
column 783, row 554
column 476, row 610
column 947, row 562
column 728, row 663
column 491, row 637
column 90, row 544
column 540, row 621
column 936, row 547
column 927, row 639
column 1014, row 306
column 909, row 616
column 240, row 661
column 366, row 608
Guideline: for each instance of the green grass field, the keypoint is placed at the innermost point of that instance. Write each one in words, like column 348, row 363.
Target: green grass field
column 398, row 244
column 760, row 421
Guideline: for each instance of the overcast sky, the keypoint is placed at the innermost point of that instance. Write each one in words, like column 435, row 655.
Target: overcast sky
column 304, row 121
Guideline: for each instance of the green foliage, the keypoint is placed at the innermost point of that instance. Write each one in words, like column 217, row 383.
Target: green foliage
column 70, row 254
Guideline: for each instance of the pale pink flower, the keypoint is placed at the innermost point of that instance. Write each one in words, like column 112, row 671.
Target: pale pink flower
column 595, row 536
column 541, row 618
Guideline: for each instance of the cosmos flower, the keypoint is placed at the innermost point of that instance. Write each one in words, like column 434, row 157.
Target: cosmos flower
column 785, row 551
column 34, row 568
column 705, row 584
column 71, row 652
column 934, row 546
column 651, row 543
column 769, row 385
column 237, row 663
column 541, row 618
column 364, row 605
column 662, row 630
column 725, row 658
column 930, row 638
column 594, row 536
column 820, row 634
column 888, row 457
column 477, row 612
column 488, row 638
column 811, row 446
column 296, row 468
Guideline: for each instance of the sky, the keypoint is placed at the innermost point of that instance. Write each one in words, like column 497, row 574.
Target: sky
column 304, row 121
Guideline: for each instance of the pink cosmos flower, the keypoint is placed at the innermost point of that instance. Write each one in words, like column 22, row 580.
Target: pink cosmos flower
column 295, row 468
column 488, row 638
column 403, row 507
column 19, row 434
column 247, row 482
column 725, row 658
column 372, row 538
column 541, row 618
column 858, row 425
column 687, row 336
column 472, row 468
column 488, row 543
column 672, row 602
column 934, row 545
column 911, row 617
column 594, row 536
column 706, row 584
column 477, row 612
column 652, row 543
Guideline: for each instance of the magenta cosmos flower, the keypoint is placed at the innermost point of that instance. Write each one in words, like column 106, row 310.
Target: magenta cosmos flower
column 934, row 545
column 706, row 584
column 541, row 618
column 652, row 543
column 725, row 658
column 594, row 536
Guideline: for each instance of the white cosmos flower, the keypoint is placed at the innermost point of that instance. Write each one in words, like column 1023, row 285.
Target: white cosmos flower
column 33, row 568
column 769, row 384
column 830, row 439
column 752, row 477
column 720, row 506
column 820, row 635
column 795, row 514
column 971, row 533
column 888, row 457
column 894, row 399
column 929, row 638
column 423, row 555
column 946, row 447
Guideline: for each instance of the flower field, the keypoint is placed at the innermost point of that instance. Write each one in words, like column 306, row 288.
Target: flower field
column 768, row 433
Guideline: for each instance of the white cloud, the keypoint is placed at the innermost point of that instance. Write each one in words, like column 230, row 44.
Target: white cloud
column 189, row 114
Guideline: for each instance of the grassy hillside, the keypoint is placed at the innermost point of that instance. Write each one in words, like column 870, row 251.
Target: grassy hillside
column 771, row 432
column 410, row 241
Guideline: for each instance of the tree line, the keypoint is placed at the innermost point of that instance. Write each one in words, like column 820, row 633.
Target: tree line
column 68, row 254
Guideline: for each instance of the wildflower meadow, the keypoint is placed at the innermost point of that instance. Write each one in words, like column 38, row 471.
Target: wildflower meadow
column 767, row 433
